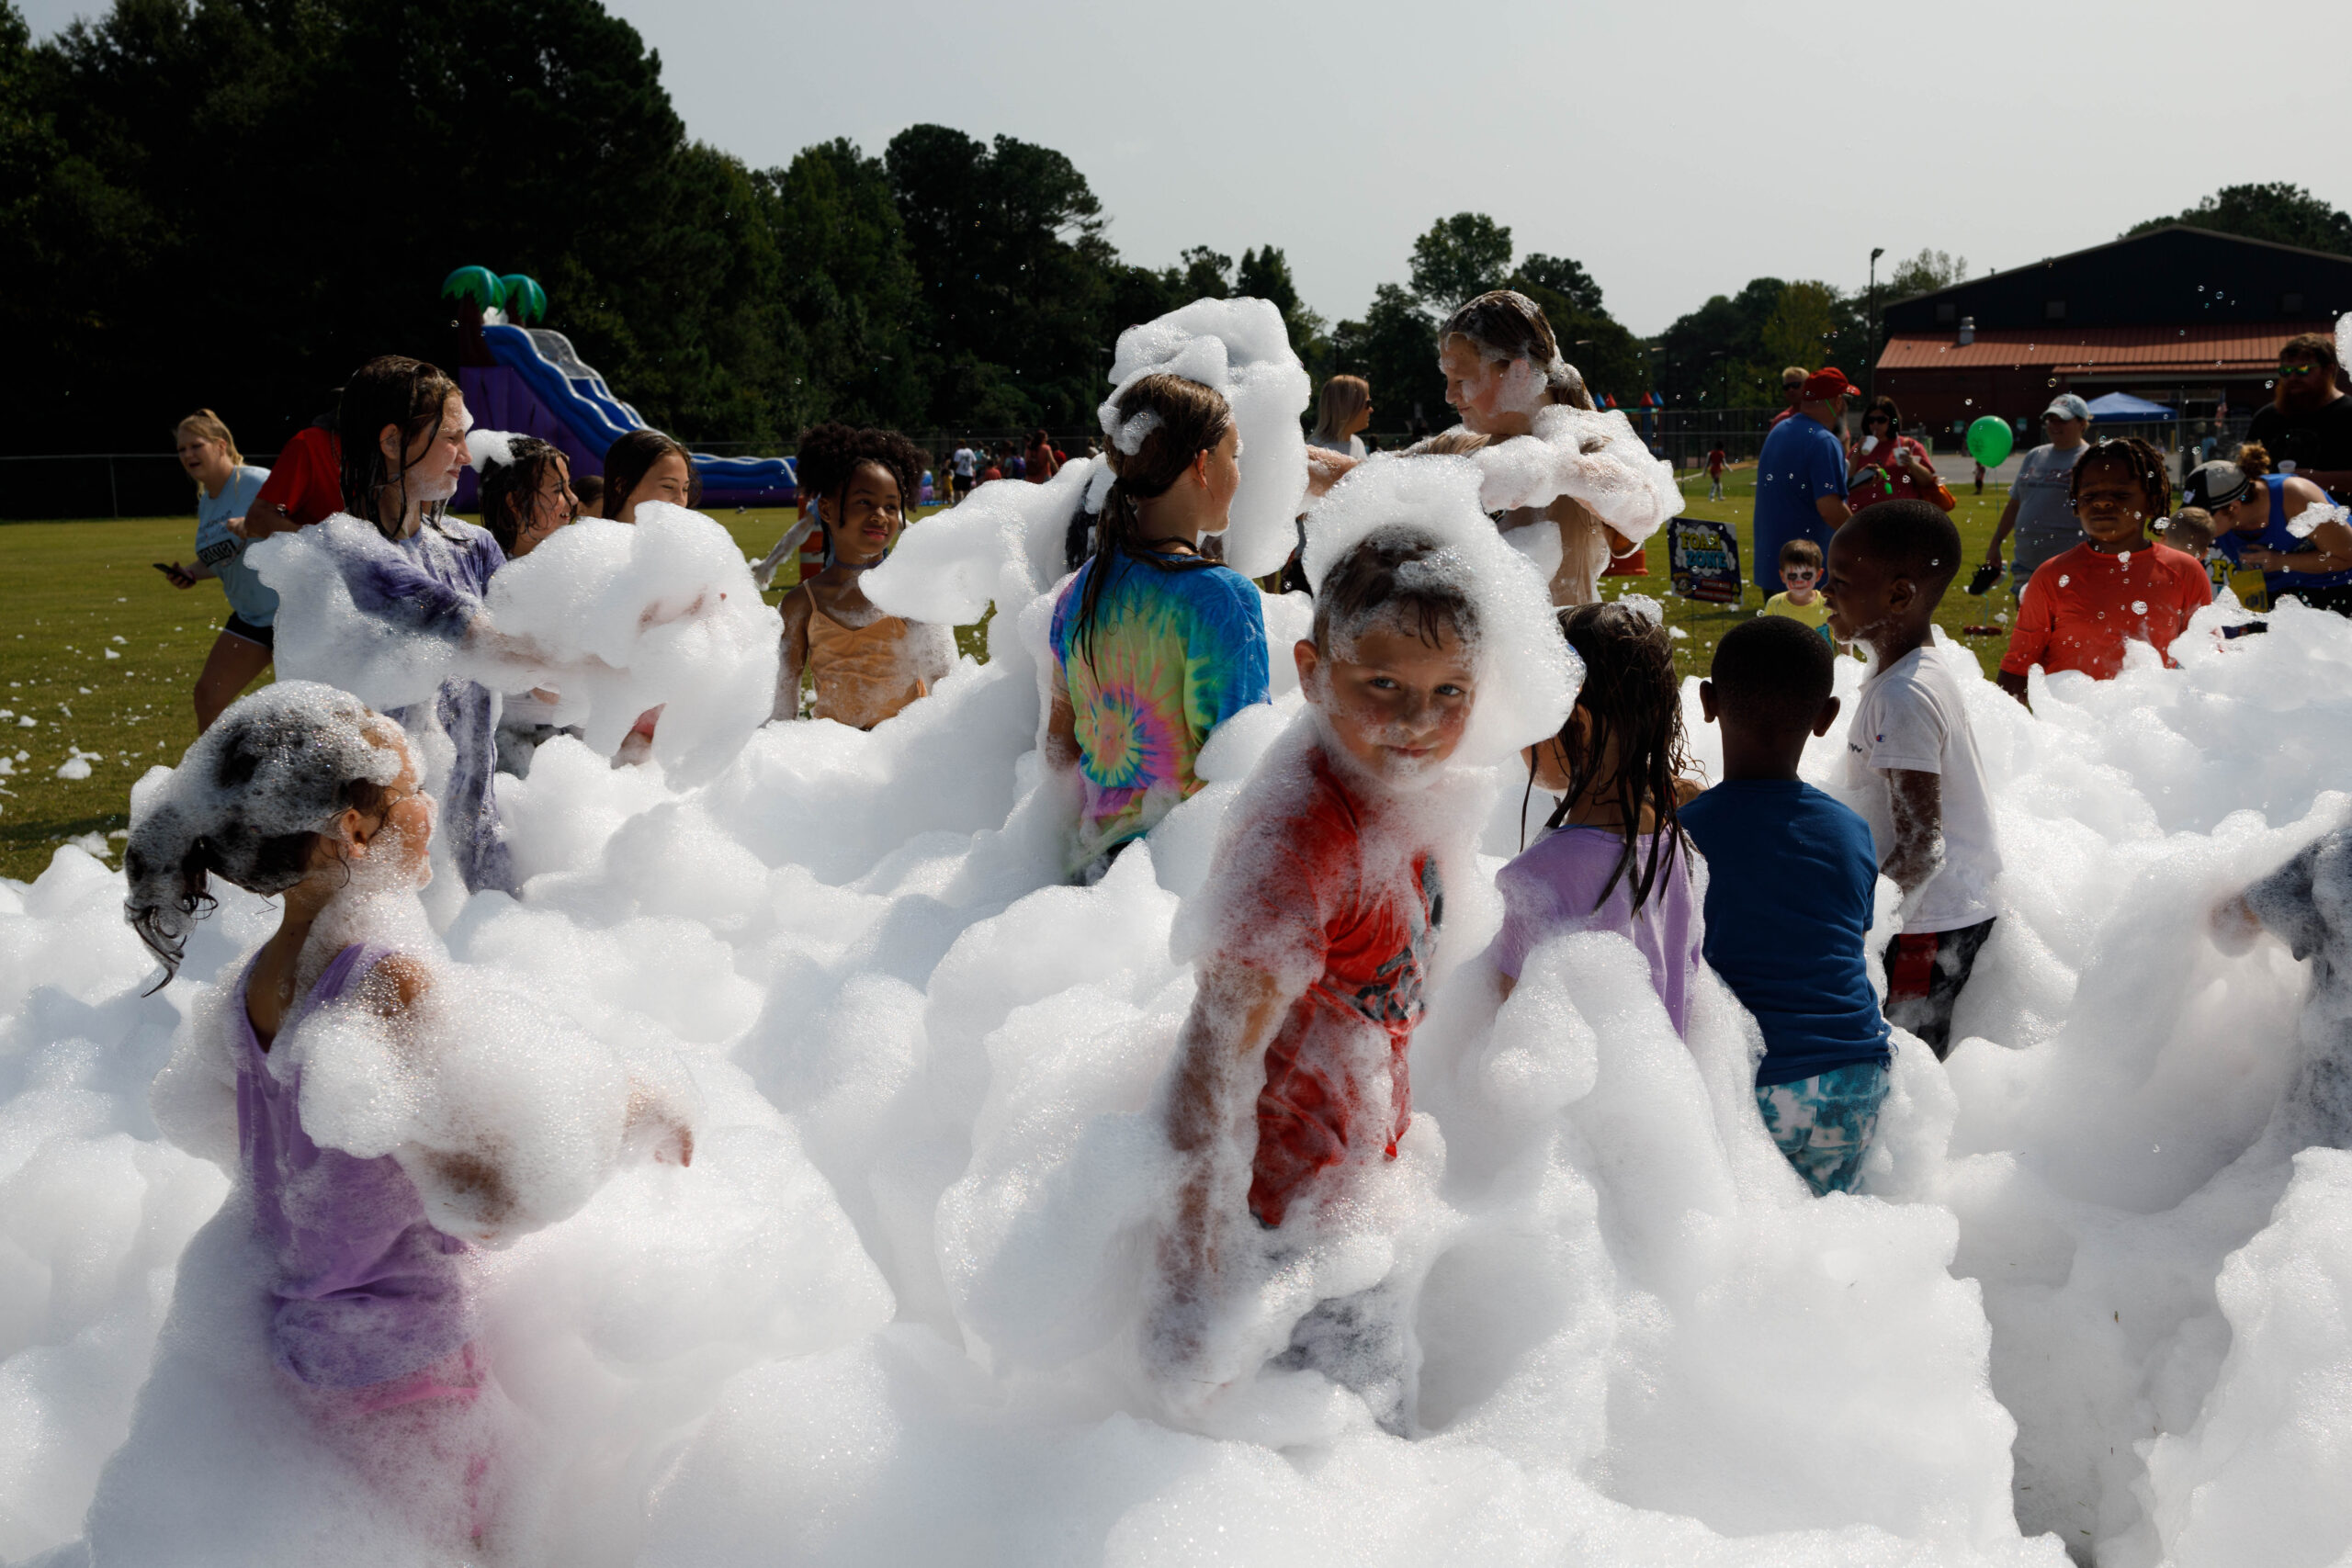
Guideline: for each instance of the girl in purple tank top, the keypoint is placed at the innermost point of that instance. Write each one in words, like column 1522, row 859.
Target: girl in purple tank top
column 300, row 791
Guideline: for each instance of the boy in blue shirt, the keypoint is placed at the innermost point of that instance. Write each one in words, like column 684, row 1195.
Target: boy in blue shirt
column 1790, row 877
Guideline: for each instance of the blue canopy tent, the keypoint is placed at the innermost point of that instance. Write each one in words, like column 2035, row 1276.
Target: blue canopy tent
column 2122, row 407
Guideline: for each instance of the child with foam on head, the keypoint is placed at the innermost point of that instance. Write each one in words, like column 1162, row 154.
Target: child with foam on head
column 867, row 666
column 1800, row 596
column 1324, row 903
column 1613, row 856
column 1912, row 768
column 2081, row 606
column 365, row 1294
column 1153, row 644
column 1791, row 875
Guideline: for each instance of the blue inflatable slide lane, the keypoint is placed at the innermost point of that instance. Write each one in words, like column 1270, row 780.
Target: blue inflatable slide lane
column 538, row 386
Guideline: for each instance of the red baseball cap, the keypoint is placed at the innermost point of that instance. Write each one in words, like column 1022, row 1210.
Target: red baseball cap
column 1827, row 383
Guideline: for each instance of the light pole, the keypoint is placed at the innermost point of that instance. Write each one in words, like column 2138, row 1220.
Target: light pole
column 1870, row 329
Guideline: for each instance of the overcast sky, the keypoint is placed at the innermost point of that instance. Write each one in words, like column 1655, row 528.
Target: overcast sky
column 1675, row 150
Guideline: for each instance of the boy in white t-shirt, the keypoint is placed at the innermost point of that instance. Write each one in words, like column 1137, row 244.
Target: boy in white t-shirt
column 1911, row 764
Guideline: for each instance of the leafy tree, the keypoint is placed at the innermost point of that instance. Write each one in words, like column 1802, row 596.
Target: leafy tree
column 1714, row 356
column 1459, row 258
column 1265, row 275
column 1923, row 273
column 1007, row 242
column 1802, row 326
column 1206, row 275
column 849, row 286
column 1395, row 348
column 1562, row 277
column 2285, row 214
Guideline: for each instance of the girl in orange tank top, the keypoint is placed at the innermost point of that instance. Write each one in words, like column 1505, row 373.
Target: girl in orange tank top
column 865, row 666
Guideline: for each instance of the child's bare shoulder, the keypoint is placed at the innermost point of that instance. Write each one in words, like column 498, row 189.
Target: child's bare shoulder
column 395, row 984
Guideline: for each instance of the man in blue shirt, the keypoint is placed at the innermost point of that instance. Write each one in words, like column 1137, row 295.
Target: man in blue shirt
column 1792, row 876
column 1800, row 475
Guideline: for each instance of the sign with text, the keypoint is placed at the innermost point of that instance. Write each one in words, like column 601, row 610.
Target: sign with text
column 1703, row 558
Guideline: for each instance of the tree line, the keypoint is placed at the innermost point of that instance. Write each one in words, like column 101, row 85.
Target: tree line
column 234, row 202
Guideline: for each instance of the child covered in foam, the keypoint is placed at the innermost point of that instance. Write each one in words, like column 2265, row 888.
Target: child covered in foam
column 357, row 1218
column 1323, row 904
column 1612, row 857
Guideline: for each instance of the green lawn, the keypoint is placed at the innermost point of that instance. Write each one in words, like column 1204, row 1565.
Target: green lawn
column 1703, row 623
column 103, row 653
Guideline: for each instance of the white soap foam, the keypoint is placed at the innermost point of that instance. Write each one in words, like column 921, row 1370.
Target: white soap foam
column 889, row 1313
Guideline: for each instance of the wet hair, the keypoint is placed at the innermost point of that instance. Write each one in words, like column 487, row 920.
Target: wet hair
column 247, row 804
column 1801, row 552
column 1773, row 673
column 1395, row 573
column 511, row 489
column 629, row 460
column 831, row 453
column 590, row 489
column 405, row 393
column 1630, row 696
column 1456, row 442
column 1913, row 537
column 1886, row 406
column 211, row 427
column 2140, row 460
column 1344, row 397
column 1157, row 427
column 2190, row 522
column 1503, row 325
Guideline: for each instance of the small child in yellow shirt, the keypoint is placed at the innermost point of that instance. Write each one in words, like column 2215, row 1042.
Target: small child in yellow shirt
column 1800, row 577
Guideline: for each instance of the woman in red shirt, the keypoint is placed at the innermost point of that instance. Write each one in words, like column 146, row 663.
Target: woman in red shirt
column 1886, row 463
column 2082, row 606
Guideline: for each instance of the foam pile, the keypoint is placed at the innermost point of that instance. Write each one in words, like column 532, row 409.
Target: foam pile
column 890, row 1313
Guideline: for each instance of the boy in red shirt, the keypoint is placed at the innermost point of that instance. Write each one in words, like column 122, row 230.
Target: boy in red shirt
column 2080, row 607
column 1325, row 901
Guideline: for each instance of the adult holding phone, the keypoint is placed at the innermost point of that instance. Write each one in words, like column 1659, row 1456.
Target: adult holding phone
column 2041, row 509
column 225, row 488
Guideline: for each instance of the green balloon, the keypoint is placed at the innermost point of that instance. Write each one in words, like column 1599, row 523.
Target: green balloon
column 1989, row 441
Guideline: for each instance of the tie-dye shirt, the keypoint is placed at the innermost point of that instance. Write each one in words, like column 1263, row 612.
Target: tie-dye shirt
column 1174, row 652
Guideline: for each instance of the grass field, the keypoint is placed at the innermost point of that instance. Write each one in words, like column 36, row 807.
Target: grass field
column 101, row 652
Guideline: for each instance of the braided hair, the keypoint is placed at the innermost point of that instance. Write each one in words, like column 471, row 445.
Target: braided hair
column 1630, row 697
column 407, row 394
column 1156, row 428
column 2140, row 460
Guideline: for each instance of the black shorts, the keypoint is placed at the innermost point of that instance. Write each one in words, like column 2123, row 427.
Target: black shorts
column 1925, row 975
column 238, row 626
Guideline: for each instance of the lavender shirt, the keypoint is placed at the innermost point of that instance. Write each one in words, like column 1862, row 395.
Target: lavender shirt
column 362, row 1288
column 1552, row 886
column 432, row 581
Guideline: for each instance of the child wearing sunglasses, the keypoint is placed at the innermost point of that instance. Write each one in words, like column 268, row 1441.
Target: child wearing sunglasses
column 1801, row 581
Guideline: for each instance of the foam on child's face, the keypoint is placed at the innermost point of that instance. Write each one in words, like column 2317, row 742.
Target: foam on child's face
column 1393, row 700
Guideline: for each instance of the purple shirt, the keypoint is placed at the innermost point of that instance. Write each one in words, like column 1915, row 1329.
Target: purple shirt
column 1552, row 886
column 362, row 1288
column 432, row 581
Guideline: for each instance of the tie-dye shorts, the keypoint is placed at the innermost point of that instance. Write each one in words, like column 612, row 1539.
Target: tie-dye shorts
column 1825, row 1124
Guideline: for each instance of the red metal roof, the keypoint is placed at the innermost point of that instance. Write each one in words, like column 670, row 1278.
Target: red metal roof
column 2080, row 349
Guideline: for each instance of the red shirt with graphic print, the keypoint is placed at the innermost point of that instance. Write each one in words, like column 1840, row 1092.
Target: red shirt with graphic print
column 1332, row 889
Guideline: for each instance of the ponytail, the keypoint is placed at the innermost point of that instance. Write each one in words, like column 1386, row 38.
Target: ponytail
column 212, row 427
column 1156, row 428
column 2253, row 458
